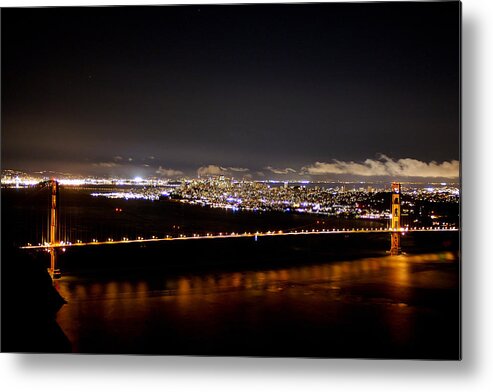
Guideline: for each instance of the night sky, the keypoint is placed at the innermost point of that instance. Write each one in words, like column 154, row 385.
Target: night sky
column 281, row 91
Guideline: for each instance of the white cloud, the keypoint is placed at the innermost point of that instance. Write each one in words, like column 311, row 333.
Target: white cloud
column 214, row 170
column 211, row 170
column 168, row 172
column 385, row 166
column 106, row 164
column 238, row 169
column 287, row 170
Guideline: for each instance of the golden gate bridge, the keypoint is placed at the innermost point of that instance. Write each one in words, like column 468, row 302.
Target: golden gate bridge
column 54, row 244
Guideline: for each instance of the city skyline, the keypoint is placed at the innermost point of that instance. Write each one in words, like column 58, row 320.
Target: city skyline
column 314, row 91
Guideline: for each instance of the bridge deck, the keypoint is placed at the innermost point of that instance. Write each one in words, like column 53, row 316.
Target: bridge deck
column 235, row 235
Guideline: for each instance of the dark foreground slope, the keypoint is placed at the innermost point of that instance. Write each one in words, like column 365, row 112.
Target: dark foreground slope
column 29, row 306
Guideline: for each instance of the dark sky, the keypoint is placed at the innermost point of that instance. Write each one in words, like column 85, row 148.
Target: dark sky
column 266, row 88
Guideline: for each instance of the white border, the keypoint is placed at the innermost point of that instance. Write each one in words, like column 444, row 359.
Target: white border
column 474, row 373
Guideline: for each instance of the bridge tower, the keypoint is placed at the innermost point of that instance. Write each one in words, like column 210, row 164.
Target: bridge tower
column 53, row 237
column 395, row 235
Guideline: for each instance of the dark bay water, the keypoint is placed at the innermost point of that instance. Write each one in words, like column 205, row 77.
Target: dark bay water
column 395, row 307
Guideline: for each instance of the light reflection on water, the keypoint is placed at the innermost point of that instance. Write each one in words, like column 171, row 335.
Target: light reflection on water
column 381, row 293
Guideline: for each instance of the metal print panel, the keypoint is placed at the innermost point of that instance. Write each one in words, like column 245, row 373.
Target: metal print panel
column 233, row 180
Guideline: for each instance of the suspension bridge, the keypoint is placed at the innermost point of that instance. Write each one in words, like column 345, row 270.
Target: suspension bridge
column 254, row 235
column 53, row 244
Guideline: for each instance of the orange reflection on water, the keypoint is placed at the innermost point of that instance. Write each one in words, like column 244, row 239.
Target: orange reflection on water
column 283, row 274
column 142, row 289
column 97, row 289
column 183, row 286
column 323, row 294
column 183, row 291
column 112, row 289
column 248, row 282
column 236, row 279
column 272, row 275
column 401, row 272
column 259, row 277
column 80, row 291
